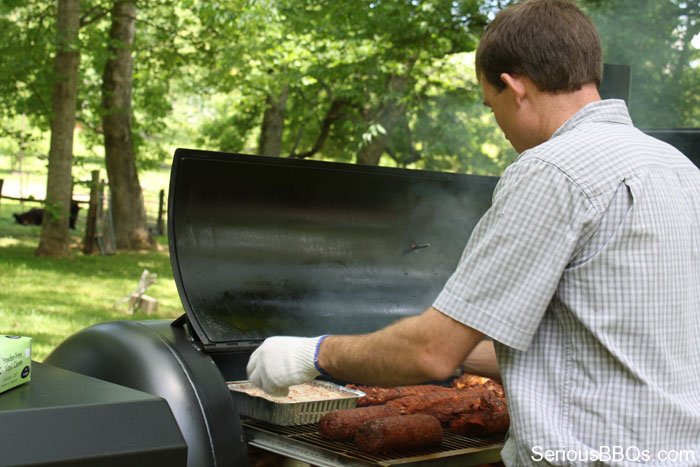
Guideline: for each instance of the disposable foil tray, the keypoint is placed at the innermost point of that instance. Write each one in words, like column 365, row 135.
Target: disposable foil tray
column 289, row 412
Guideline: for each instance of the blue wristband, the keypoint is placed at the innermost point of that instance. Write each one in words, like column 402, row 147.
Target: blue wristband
column 318, row 347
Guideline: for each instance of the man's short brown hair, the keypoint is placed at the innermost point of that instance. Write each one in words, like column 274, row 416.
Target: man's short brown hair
column 551, row 41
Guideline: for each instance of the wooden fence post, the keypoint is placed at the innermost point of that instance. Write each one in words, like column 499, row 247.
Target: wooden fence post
column 105, row 227
column 91, row 226
column 161, row 203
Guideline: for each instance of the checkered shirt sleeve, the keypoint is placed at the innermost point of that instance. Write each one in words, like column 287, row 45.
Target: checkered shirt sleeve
column 515, row 257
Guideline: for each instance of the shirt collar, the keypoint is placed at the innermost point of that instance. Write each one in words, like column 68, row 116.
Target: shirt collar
column 609, row 110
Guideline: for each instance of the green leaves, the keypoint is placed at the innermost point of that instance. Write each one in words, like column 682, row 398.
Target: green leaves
column 395, row 75
column 655, row 38
column 355, row 51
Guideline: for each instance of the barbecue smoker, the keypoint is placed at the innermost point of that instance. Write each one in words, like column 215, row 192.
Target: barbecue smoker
column 264, row 246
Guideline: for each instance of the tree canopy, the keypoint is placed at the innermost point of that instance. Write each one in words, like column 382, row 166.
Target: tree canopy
column 379, row 82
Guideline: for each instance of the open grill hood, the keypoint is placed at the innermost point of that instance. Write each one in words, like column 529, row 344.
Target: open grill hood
column 264, row 246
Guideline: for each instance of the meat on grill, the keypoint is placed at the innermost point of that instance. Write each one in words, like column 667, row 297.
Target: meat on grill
column 444, row 406
column 391, row 434
column 483, row 422
column 343, row 424
column 467, row 381
column 377, row 396
column 474, row 406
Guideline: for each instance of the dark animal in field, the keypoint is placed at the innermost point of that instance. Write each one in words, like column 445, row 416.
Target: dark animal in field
column 36, row 215
column 32, row 217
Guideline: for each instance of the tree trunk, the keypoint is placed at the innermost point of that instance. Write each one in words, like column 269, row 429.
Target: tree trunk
column 334, row 113
column 389, row 115
column 400, row 147
column 54, row 228
column 372, row 151
column 129, row 214
column 270, row 143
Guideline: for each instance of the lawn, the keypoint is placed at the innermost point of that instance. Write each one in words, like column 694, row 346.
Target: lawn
column 50, row 299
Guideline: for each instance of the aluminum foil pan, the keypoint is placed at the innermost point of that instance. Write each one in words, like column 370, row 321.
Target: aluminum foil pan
column 306, row 404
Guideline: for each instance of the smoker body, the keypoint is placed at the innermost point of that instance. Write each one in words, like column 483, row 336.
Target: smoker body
column 160, row 359
column 264, row 246
column 64, row 418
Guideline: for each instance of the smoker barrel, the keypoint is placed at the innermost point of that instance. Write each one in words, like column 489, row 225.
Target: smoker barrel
column 160, row 359
column 62, row 418
column 264, row 246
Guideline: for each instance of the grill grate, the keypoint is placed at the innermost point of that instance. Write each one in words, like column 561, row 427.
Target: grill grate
column 307, row 436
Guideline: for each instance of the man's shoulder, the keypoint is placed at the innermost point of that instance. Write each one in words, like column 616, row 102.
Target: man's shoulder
column 543, row 179
column 600, row 155
column 604, row 146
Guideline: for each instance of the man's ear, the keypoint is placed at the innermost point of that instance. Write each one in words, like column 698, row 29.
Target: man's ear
column 516, row 83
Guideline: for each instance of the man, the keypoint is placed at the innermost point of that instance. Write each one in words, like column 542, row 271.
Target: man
column 585, row 271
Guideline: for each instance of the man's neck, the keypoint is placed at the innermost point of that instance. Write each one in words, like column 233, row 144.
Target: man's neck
column 554, row 109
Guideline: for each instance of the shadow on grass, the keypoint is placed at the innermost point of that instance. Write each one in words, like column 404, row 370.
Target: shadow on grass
column 19, row 250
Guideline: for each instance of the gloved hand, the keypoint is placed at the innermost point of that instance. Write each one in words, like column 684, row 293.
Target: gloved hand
column 283, row 361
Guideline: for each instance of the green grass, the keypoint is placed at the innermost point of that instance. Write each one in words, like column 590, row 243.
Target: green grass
column 50, row 299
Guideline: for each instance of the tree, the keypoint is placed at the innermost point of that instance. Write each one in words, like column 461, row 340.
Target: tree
column 256, row 72
column 129, row 215
column 655, row 38
column 126, row 96
column 357, row 76
column 26, row 93
column 273, row 123
column 27, row 59
column 54, row 229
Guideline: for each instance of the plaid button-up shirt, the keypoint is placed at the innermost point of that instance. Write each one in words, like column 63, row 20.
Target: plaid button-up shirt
column 586, row 273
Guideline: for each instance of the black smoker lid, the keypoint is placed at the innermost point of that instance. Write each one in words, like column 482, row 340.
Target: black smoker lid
column 264, row 246
column 686, row 140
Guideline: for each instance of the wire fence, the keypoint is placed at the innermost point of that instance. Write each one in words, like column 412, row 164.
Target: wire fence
column 155, row 204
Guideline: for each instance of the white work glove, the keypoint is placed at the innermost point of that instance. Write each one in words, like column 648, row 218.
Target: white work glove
column 284, row 361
